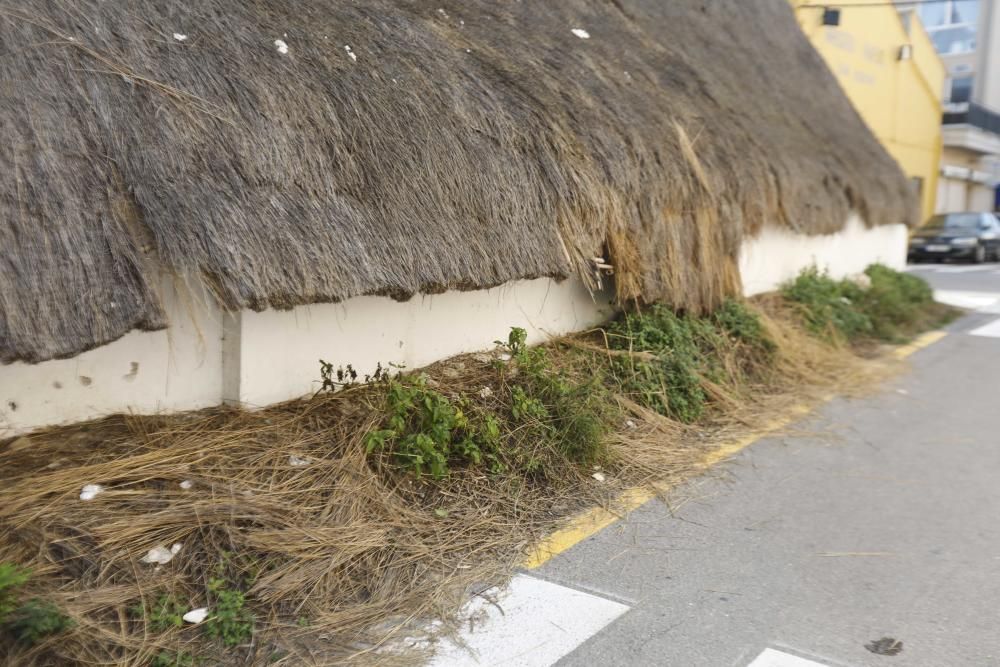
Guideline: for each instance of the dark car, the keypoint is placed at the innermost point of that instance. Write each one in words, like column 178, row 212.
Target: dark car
column 971, row 236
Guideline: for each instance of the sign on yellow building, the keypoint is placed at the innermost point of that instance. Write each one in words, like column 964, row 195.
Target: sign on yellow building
column 888, row 67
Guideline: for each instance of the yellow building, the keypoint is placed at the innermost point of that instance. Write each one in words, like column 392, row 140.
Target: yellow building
column 888, row 67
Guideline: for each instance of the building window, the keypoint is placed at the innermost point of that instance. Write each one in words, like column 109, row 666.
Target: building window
column 951, row 24
column 961, row 90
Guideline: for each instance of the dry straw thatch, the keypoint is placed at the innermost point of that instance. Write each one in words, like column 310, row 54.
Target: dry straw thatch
column 298, row 152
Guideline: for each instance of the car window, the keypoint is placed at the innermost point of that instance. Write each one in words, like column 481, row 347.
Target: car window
column 954, row 221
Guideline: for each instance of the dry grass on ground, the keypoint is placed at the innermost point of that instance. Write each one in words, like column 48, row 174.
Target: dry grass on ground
column 342, row 556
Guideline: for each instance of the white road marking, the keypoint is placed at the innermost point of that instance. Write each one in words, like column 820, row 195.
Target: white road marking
column 971, row 300
column 773, row 658
column 991, row 330
column 540, row 622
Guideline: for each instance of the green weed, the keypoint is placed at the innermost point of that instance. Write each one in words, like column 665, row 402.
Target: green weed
column 36, row 619
column 893, row 308
column 30, row 621
column 12, row 577
column 830, row 308
column 229, row 620
column 897, row 304
column 666, row 377
column 426, row 432
column 570, row 415
column 743, row 325
column 172, row 659
column 670, row 355
column 165, row 614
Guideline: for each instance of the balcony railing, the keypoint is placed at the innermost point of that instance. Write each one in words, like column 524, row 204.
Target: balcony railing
column 975, row 115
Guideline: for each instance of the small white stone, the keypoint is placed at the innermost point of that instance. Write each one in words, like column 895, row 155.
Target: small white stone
column 196, row 615
column 180, row 37
column 298, row 461
column 90, row 491
column 187, row 484
column 281, row 46
column 630, row 424
column 599, row 476
column 581, row 33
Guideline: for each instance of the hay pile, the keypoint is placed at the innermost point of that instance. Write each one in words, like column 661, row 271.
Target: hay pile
column 342, row 556
column 291, row 153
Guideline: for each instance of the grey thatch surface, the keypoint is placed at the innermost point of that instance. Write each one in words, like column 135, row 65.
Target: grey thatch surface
column 403, row 146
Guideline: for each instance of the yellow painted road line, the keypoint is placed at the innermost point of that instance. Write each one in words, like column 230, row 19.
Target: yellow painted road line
column 588, row 523
column 592, row 521
column 920, row 343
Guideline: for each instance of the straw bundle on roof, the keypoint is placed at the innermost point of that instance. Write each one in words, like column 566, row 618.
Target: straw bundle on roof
column 292, row 153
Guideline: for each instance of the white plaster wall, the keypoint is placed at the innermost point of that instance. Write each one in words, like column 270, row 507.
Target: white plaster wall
column 255, row 359
column 143, row 372
column 280, row 350
column 777, row 255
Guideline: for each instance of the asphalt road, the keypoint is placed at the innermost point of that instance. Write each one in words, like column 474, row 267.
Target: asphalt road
column 881, row 521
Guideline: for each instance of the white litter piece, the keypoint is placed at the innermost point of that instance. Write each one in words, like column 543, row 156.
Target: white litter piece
column 533, row 623
column 485, row 392
column 90, row 491
column 352, row 54
column 581, row 33
column 773, row 658
column 196, row 615
column 162, row 555
column 630, row 424
column 180, row 37
column 599, row 476
column 187, row 484
column 281, row 46
column 298, row 461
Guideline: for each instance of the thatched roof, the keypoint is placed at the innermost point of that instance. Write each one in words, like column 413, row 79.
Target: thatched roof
column 308, row 151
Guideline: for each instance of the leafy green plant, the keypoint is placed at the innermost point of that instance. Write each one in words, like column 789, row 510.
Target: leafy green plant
column 172, row 659
column 165, row 614
column 229, row 620
column 743, row 325
column 897, row 304
column 36, row 619
column 892, row 307
column 12, row 577
column 666, row 373
column 425, row 431
column 572, row 416
column 830, row 308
